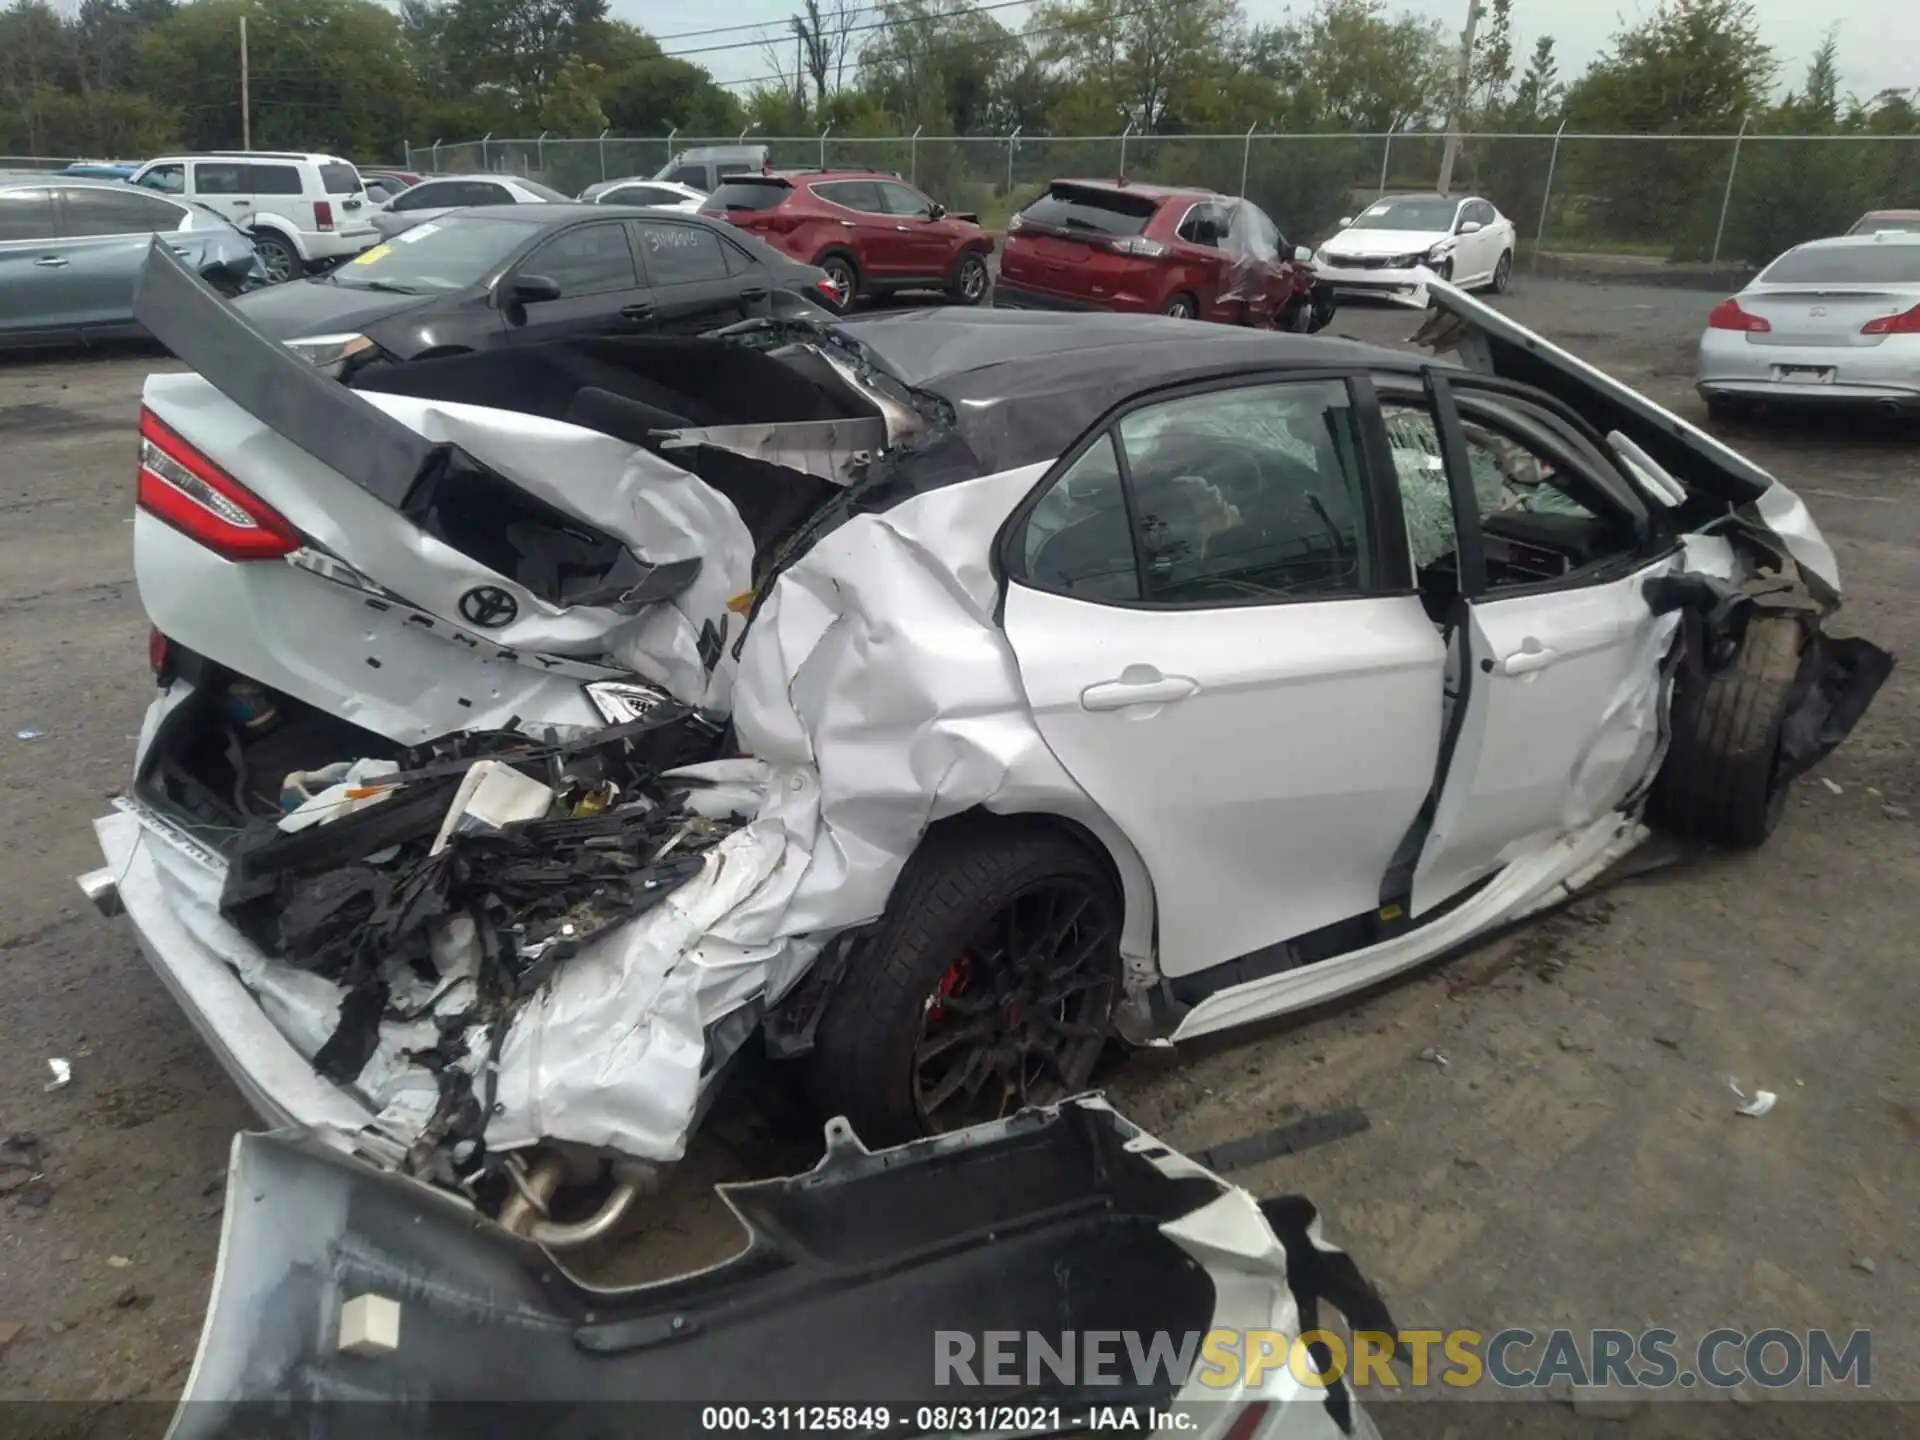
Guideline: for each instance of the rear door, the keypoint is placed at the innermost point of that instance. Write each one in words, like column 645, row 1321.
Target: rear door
column 1534, row 552
column 1200, row 254
column 277, row 188
column 697, row 279
column 222, row 185
column 878, row 240
column 1216, row 635
column 601, row 290
column 32, row 258
column 105, row 237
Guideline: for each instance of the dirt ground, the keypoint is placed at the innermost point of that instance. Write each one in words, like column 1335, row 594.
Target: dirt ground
column 1576, row 1161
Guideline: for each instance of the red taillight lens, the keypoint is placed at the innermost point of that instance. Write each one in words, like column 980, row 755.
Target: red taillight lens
column 322, row 215
column 1247, row 1423
column 1728, row 315
column 1907, row 322
column 181, row 486
column 156, row 651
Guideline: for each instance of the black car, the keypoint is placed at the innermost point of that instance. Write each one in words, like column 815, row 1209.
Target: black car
column 509, row 275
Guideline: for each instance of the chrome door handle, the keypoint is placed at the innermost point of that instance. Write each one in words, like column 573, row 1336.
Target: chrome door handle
column 51, row 262
column 1529, row 658
column 903, row 227
column 1138, row 685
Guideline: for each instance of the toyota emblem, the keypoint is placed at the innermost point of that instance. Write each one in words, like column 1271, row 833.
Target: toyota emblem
column 489, row 607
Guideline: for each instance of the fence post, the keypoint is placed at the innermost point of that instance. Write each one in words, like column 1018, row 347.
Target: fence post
column 823, row 144
column 1246, row 156
column 913, row 155
column 485, row 164
column 436, row 157
column 1386, row 159
column 1726, row 200
column 540, row 152
column 406, row 149
column 603, row 151
column 1013, row 143
column 670, row 134
column 1123, row 148
column 1546, row 197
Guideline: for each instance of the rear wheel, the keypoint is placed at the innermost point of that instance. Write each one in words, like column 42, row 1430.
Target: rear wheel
column 989, row 985
column 970, row 279
column 1503, row 273
column 844, row 274
column 1718, row 782
column 1182, row 307
column 279, row 261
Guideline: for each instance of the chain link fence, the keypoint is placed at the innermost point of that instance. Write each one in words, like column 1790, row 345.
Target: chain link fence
column 1714, row 198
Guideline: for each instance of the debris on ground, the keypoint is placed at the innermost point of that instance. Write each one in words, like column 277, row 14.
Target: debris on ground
column 1760, row 1104
column 131, row 1299
column 118, row 1262
column 1832, row 785
column 29, row 734
column 62, row 1074
column 1288, row 1139
column 1864, row 1266
column 1431, row 1056
column 1896, row 812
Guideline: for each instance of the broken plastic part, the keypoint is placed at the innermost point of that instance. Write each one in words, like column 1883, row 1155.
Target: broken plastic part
column 62, row 1074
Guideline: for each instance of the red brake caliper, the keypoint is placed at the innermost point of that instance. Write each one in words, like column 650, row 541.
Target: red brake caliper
column 954, row 982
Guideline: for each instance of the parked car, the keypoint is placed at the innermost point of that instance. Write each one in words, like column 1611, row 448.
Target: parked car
column 1045, row 678
column 71, row 252
column 381, row 188
column 873, row 233
column 403, row 178
column 1391, row 242
column 431, row 199
column 1831, row 322
column 652, row 194
column 304, row 211
column 1875, row 220
column 705, row 166
column 101, row 169
column 1191, row 254
column 500, row 275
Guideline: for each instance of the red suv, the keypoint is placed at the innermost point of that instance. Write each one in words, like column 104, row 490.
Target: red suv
column 1114, row 245
column 871, row 233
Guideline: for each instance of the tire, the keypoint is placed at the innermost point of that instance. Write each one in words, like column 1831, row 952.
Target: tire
column 1717, row 782
column 971, row 282
column 844, row 272
column 1183, row 307
column 888, row 1004
column 279, row 261
column 1502, row 280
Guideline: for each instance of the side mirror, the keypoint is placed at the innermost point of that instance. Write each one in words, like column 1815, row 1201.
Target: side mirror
column 1471, row 227
column 1302, row 255
column 1345, row 221
column 532, row 289
column 936, row 210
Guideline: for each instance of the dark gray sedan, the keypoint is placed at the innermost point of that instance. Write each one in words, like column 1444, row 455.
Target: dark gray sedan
column 71, row 251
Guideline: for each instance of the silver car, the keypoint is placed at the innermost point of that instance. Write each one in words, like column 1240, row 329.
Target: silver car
column 1829, row 322
column 71, row 252
column 431, row 199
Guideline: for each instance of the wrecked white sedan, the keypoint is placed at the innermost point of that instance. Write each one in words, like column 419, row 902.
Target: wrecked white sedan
column 938, row 695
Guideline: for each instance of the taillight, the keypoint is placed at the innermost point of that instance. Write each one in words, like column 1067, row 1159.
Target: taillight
column 179, row 485
column 1907, row 322
column 1138, row 245
column 1247, row 1423
column 156, row 652
column 1728, row 315
column 322, row 215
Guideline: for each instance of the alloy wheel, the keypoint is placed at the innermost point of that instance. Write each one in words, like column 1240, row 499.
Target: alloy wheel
column 275, row 259
column 1020, row 1017
column 973, row 279
column 1503, row 274
column 841, row 273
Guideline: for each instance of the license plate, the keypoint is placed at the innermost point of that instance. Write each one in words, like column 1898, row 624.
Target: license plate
column 1803, row 374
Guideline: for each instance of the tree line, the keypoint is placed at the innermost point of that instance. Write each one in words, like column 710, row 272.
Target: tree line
column 127, row 78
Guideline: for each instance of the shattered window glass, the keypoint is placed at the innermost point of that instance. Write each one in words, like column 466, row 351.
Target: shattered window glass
column 1076, row 540
column 1250, row 494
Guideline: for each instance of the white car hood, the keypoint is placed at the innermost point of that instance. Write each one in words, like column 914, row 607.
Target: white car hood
column 1384, row 242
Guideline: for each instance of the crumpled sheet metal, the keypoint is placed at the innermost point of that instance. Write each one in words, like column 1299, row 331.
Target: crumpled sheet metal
column 659, row 511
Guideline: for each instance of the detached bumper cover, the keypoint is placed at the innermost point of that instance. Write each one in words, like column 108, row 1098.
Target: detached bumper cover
column 1055, row 1222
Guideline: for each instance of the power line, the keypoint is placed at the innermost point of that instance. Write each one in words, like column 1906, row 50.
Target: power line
column 851, row 30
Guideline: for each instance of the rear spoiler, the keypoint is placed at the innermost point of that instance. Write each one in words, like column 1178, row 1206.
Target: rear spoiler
column 281, row 390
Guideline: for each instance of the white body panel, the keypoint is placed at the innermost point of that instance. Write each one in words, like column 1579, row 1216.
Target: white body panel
column 1268, row 800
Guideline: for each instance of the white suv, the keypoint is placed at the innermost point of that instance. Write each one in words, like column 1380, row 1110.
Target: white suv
column 302, row 210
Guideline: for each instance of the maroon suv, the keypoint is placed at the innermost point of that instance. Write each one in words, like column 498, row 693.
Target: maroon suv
column 871, row 233
column 1115, row 245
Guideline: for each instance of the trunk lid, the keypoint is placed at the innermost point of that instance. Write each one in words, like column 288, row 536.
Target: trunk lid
column 1824, row 315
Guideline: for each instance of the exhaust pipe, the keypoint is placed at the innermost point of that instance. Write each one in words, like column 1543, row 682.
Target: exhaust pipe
column 528, row 1210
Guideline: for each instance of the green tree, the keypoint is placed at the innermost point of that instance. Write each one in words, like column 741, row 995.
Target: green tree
column 519, row 46
column 1155, row 56
column 1350, row 64
column 939, row 64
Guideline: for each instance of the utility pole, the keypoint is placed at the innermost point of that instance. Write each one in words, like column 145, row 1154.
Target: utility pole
column 1463, row 92
column 799, row 69
column 246, row 105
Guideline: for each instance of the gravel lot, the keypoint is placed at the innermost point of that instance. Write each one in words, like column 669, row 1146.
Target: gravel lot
column 1577, row 1162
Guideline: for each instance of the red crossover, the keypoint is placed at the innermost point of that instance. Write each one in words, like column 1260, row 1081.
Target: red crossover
column 1114, row 245
column 871, row 233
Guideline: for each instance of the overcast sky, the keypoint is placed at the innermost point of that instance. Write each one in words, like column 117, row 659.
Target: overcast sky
column 1879, row 39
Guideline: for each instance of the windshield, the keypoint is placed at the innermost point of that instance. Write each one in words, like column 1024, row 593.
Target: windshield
column 1866, row 225
column 1428, row 213
column 1864, row 264
column 437, row 255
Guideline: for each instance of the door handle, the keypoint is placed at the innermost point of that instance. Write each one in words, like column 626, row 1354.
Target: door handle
column 636, row 312
column 846, row 224
column 1531, row 656
column 52, row 262
column 754, row 292
column 903, row 227
column 1137, row 685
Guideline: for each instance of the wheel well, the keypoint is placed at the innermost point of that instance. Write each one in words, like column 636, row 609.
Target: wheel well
column 982, row 821
column 838, row 252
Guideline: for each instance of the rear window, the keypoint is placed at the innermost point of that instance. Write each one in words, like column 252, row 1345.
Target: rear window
column 749, row 195
column 340, row 179
column 1106, row 212
column 1868, row 264
column 545, row 192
